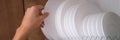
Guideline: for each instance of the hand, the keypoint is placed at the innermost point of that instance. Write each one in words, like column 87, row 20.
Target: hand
column 33, row 19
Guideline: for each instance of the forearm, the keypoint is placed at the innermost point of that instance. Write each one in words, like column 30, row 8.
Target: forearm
column 21, row 34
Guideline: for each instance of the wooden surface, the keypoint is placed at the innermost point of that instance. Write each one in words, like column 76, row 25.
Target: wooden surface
column 11, row 14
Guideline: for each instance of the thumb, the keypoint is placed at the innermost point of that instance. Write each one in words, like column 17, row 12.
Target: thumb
column 43, row 16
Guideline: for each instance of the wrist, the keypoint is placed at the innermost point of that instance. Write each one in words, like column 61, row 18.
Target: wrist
column 23, row 28
column 21, row 33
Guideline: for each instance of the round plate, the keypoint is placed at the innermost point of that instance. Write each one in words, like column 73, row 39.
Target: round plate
column 50, row 30
column 111, row 24
column 84, row 10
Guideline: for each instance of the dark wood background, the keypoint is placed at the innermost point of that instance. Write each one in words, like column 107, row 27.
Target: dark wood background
column 11, row 14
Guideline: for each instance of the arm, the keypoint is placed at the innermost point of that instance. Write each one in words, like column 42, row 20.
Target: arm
column 33, row 19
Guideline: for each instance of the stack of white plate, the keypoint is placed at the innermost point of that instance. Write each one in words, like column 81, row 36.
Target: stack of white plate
column 79, row 20
column 101, row 25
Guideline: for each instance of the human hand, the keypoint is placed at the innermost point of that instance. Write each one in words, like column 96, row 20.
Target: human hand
column 33, row 19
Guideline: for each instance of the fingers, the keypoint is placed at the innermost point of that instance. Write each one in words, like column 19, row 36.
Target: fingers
column 37, row 7
column 42, row 24
column 42, row 17
column 35, row 10
column 45, row 15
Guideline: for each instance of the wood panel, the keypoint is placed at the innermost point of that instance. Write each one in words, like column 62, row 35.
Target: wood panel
column 11, row 13
column 36, row 34
column 3, row 21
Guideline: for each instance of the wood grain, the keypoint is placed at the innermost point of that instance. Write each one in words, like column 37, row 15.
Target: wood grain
column 11, row 13
column 36, row 34
column 4, row 29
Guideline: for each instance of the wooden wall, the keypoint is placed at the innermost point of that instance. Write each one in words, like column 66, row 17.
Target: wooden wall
column 11, row 14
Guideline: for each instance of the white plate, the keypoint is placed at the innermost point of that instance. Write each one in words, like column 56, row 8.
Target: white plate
column 90, row 26
column 66, row 24
column 69, row 22
column 100, row 27
column 93, row 23
column 84, row 10
column 111, row 24
column 84, row 25
column 73, row 28
column 58, row 22
column 50, row 30
column 67, row 5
